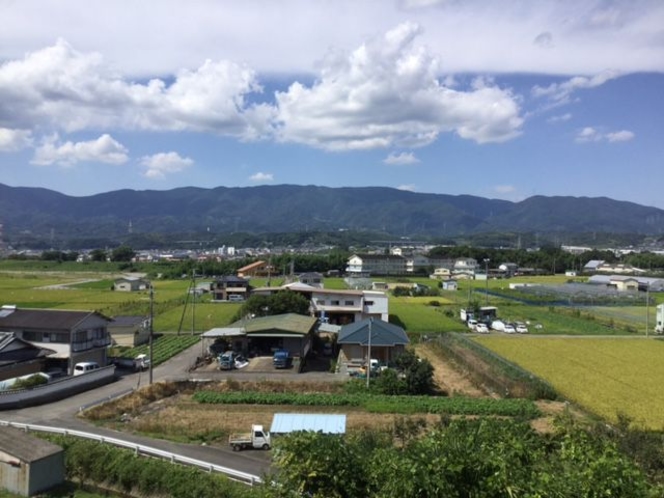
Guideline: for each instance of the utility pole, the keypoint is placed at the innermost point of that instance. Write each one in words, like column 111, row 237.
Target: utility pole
column 193, row 303
column 151, row 335
column 486, row 292
column 369, row 352
column 647, row 309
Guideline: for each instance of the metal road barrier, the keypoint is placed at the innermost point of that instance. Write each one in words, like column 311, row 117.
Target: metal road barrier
column 141, row 449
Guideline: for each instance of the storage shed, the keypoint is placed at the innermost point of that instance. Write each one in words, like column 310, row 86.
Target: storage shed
column 29, row 465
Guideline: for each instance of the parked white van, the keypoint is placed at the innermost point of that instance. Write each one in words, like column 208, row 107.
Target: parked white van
column 85, row 367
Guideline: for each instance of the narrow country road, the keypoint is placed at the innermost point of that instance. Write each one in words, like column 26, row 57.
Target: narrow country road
column 63, row 414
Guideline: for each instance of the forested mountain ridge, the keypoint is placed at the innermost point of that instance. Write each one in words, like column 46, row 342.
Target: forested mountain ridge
column 292, row 208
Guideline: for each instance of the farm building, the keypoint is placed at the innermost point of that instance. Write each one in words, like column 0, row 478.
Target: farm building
column 262, row 335
column 131, row 284
column 29, row 465
column 129, row 330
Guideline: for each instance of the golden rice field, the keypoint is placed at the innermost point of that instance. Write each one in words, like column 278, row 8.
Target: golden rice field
column 606, row 376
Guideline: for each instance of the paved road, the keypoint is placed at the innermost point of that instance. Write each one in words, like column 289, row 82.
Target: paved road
column 63, row 414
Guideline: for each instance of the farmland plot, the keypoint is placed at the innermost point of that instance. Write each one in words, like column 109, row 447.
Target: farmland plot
column 607, row 376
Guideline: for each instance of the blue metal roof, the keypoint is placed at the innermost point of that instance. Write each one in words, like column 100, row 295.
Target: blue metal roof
column 283, row 423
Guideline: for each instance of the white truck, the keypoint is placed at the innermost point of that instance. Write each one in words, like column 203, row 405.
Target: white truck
column 257, row 438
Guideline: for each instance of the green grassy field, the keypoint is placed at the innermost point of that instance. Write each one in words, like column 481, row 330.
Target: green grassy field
column 607, row 376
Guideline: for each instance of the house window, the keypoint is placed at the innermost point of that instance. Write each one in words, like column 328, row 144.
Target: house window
column 334, row 303
column 32, row 336
column 348, row 303
column 368, row 303
column 320, row 302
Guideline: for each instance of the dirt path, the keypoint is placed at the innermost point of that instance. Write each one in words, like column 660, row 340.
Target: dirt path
column 446, row 376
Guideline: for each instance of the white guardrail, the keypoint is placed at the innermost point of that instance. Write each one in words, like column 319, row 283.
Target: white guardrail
column 141, row 449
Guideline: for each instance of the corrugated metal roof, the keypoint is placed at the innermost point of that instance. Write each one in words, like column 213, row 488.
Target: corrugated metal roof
column 284, row 423
column 288, row 322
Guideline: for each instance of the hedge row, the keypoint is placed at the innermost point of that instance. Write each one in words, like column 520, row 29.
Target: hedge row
column 93, row 462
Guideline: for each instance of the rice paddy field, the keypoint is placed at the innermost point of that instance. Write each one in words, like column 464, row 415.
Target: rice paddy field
column 604, row 375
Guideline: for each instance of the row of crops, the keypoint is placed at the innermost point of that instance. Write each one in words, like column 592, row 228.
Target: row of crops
column 381, row 403
column 163, row 348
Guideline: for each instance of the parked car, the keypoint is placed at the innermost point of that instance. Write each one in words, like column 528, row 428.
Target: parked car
column 498, row 325
column 481, row 328
column 472, row 323
column 521, row 328
column 85, row 367
column 282, row 359
column 235, row 298
column 509, row 329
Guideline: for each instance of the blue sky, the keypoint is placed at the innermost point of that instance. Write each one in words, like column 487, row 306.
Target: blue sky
column 500, row 99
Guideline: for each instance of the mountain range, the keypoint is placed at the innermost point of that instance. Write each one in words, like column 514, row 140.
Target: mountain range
column 292, row 208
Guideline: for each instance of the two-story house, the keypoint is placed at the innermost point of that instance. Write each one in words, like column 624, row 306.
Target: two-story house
column 74, row 336
column 230, row 285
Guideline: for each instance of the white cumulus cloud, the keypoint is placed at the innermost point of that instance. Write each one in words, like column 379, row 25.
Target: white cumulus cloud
column 13, row 140
column 620, row 136
column 401, row 159
column 70, row 90
column 164, row 163
column 262, row 177
column 561, row 93
column 590, row 134
column 386, row 93
column 104, row 149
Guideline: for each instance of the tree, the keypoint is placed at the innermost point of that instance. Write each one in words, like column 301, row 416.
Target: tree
column 98, row 255
column 418, row 373
column 122, row 253
column 284, row 301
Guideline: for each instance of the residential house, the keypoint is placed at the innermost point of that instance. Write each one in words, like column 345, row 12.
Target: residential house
column 131, row 284
column 129, row 330
column 465, row 266
column 337, row 306
column 74, row 336
column 441, row 274
column 376, row 264
column 256, row 269
column 372, row 338
column 230, row 285
column 313, row 279
column 29, row 465
column 18, row 357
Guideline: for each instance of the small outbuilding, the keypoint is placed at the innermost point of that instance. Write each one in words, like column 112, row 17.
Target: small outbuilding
column 29, row 465
column 131, row 284
column 130, row 331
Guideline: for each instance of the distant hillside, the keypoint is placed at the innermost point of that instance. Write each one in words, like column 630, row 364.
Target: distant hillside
column 290, row 208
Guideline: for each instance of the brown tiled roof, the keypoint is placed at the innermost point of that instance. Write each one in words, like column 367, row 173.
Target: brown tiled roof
column 25, row 447
column 251, row 266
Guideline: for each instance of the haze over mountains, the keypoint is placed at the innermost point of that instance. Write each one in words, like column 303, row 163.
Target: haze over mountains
column 292, row 208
